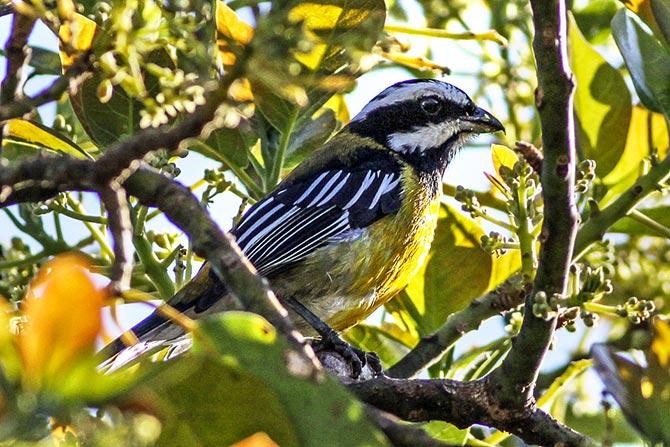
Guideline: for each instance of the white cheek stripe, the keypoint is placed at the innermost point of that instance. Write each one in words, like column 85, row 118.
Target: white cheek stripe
column 424, row 137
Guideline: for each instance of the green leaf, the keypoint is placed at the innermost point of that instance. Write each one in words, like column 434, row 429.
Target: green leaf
column 204, row 401
column 573, row 370
column 456, row 271
column 45, row 62
column 241, row 379
column 447, row 432
column 594, row 19
column 22, row 138
column 648, row 61
column 661, row 10
column 602, row 118
column 628, row 225
column 309, row 136
column 230, row 146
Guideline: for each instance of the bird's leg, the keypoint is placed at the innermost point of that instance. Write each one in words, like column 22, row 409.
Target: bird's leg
column 330, row 338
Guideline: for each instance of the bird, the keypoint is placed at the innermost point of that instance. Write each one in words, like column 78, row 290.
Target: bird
column 350, row 226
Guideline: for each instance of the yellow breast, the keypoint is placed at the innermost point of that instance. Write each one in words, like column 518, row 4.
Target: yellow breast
column 384, row 260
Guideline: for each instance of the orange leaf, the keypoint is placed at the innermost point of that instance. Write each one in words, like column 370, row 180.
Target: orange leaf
column 258, row 439
column 62, row 311
column 231, row 33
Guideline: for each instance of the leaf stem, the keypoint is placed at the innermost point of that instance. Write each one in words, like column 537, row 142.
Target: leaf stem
column 649, row 222
column 491, row 35
column 278, row 161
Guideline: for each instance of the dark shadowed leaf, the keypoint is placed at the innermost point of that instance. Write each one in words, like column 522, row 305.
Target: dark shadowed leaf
column 309, row 136
column 661, row 10
column 602, row 118
column 648, row 61
column 642, row 392
column 241, row 379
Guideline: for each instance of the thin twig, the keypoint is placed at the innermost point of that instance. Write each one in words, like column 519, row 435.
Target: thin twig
column 114, row 199
column 430, row 348
column 17, row 53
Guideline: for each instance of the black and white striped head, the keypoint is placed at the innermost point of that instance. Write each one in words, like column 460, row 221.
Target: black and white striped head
column 424, row 120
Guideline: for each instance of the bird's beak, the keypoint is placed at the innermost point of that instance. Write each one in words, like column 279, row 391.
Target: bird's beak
column 481, row 122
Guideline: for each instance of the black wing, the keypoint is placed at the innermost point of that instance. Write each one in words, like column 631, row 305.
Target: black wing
column 294, row 221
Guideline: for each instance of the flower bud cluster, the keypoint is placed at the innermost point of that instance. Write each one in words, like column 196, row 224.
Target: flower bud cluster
column 586, row 173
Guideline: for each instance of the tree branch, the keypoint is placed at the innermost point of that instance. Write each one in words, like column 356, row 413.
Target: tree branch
column 462, row 404
column 18, row 54
column 118, row 221
column 514, row 381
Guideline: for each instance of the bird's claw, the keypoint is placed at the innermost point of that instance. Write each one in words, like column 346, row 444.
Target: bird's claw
column 356, row 358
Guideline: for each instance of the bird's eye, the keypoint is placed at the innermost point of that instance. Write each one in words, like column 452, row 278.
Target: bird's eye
column 431, row 105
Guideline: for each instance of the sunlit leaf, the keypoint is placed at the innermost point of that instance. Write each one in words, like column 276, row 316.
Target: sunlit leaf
column 447, row 432
column 62, row 311
column 337, row 104
column 456, row 271
column 232, row 33
column 573, row 370
column 240, row 380
column 648, row 132
column 601, row 118
column 648, row 61
column 294, row 78
column 502, row 156
column 77, row 37
column 23, row 137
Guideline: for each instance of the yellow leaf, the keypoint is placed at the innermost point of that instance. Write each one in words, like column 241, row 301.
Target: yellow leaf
column 62, row 312
column 503, row 156
column 647, row 130
column 418, row 62
column 76, row 37
column 338, row 105
column 26, row 133
column 661, row 342
column 259, row 439
column 231, row 32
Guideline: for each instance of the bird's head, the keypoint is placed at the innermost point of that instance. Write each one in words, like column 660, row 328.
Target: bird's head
column 424, row 120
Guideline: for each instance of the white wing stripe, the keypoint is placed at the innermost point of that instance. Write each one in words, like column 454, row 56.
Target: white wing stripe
column 256, row 224
column 381, row 190
column 260, row 207
column 334, row 228
column 369, row 178
column 309, row 190
column 273, row 240
column 325, row 189
column 335, row 190
column 251, row 247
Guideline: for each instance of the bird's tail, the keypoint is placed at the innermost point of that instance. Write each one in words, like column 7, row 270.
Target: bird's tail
column 203, row 295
